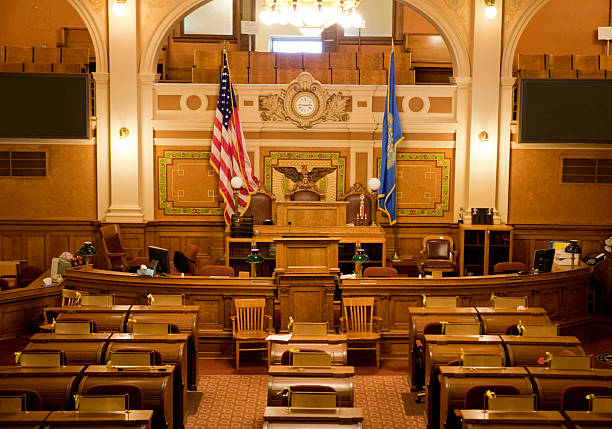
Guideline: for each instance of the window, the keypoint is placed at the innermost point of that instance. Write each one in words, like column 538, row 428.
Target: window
column 586, row 170
column 295, row 44
column 23, row 164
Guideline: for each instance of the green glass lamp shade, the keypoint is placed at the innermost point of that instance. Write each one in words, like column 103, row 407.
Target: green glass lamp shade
column 573, row 247
column 87, row 249
column 360, row 256
column 254, row 257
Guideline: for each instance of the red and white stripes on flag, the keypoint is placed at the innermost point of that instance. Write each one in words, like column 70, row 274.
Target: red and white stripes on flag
column 228, row 153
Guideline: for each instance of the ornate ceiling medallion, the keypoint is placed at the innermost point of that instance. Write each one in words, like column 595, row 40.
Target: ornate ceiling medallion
column 305, row 103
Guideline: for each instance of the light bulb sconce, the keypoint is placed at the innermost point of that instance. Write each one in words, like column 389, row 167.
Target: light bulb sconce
column 490, row 11
column 483, row 136
column 124, row 132
column 119, row 7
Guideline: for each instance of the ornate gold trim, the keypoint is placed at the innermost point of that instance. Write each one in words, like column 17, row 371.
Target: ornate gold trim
column 281, row 107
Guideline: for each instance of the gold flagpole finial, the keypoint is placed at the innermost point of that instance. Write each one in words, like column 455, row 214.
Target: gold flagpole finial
column 17, row 357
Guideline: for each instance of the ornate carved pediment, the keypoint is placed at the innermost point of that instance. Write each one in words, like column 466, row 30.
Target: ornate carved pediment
column 305, row 103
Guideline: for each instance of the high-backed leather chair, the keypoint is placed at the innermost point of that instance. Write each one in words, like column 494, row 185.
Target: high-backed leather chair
column 438, row 254
column 354, row 201
column 304, row 195
column 190, row 251
column 216, row 270
column 509, row 267
column 261, row 207
column 380, row 272
column 113, row 250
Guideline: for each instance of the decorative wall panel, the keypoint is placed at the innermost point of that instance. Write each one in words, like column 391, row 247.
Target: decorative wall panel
column 188, row 184
column 332, row 185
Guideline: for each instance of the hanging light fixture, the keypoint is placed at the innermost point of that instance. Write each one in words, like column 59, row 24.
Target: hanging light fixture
column 311, row 17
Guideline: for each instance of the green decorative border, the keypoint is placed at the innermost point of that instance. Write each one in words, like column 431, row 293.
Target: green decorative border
column 440, row 162
column 166, row 205
column 333, row 156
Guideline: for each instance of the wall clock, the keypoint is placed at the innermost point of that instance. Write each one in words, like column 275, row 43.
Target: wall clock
column 305, row 103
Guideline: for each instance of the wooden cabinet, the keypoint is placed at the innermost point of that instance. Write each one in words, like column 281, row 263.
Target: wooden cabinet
column 483, row 246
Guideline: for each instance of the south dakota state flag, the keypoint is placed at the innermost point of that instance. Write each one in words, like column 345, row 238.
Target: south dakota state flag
column 391, row 136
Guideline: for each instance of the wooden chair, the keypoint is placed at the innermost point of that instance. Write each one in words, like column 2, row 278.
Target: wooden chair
column 261, row 207
column 437, row 254
column 249, row 326
column 70, row 298
column 358, row 324
column 354, row 202
column 113, row 250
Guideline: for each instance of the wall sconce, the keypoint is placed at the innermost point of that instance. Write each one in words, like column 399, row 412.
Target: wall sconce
column 119, row 7
column 490, row 11
column 483, row 136
column 124, row 132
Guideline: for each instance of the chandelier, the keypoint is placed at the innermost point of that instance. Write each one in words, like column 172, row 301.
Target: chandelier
column 312, row 16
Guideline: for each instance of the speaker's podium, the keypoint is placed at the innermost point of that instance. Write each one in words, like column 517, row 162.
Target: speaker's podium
column 306, row 270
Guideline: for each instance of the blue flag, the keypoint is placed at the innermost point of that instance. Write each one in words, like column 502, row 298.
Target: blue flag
column 391, row 136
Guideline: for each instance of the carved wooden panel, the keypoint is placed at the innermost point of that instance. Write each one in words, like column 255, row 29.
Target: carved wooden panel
column 211, row 313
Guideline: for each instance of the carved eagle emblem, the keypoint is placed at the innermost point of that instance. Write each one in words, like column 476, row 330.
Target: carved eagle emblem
column 305, row 179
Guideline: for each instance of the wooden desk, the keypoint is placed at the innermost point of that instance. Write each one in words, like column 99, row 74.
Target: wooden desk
column 186, row 319
column 563, row 295
column 525, row 351
column 497, row 320
column 418, row 318
column 311, row 214
column 342, row 385
column 551, row 382
column 510, row 419
column 585, row 419
column 106, row 319
column 54, row 385
column 340, row 415
column 442, row 349
column 86, row 349
column 455, row 381
column 214, row 296
column 140, row 419
column 24, row 420
column 295, row 371
column 173, row 351
column 156, row 384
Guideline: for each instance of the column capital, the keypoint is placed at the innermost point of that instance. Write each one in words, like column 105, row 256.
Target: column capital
column 145, row 79
column 461, row 81
column 507, row 81
column 101, row 78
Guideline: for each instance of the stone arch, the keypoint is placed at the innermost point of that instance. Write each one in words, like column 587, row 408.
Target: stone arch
column 515, row 35
column 97, row 37
column 448, row 31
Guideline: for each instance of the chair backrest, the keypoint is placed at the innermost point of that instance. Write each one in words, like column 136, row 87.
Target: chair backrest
column 250, row 314
column 113, row 248
column 380, row 272
column 28, row 274
column 304, row 195
column 32, row 398
column 191, row 253
column 260, row 207
column 98, row 300
column 509, row 267
column 574, row 398
column 359, row 314
column 354, row 204
column 216, row 270
column 475, row 396
column 70, row 297
column 173, row 300
column 439, row 247
column 134, row 392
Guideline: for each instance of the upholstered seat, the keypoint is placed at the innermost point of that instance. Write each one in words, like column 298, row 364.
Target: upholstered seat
column 509, row 267
column 191, row 253
column 380, row 272
column 304, row 195
column 216, row 270
column 437, row 254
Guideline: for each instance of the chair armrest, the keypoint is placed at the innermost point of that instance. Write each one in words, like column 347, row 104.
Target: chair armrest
column 233, row 325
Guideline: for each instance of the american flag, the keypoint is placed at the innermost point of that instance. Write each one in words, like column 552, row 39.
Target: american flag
column 228, row 153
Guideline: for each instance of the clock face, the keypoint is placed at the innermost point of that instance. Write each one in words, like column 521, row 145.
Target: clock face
column 304, row 104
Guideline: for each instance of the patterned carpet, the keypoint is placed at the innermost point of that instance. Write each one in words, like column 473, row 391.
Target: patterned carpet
column 238, row 402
